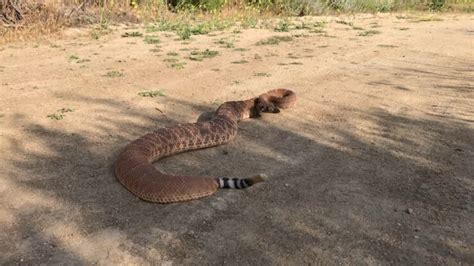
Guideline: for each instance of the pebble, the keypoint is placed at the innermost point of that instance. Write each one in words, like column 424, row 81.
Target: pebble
column 409, row 210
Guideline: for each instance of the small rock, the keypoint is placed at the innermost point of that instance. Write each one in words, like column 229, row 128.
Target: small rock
column 410, row 211
column 287, row 185
column 417, row 237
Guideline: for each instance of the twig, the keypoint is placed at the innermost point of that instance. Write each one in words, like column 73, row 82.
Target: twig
column 81, row 7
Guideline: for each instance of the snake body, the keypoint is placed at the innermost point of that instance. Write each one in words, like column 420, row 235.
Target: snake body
column 135, row 171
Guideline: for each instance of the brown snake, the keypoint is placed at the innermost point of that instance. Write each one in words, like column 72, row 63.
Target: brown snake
column 135, row 171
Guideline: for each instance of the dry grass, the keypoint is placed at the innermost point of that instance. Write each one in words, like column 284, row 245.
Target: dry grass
column 40, row 20
column 51, row 16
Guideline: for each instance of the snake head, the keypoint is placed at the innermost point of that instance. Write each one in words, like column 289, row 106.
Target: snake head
column 267, row 107
column 262, row 106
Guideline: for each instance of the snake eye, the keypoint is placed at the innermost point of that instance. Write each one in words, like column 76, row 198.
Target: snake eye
column 274, row 110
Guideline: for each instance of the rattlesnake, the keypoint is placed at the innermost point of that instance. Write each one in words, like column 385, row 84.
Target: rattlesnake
column 135, row 171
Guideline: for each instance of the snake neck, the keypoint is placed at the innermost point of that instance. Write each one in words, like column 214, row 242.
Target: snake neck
column 238, row 110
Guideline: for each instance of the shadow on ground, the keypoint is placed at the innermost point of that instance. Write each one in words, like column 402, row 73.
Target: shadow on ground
column 332, row 194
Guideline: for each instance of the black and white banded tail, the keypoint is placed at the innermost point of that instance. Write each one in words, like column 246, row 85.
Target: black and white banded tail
column 240, row 183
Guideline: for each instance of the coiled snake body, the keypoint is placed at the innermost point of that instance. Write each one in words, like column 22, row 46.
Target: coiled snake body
column 135, row 171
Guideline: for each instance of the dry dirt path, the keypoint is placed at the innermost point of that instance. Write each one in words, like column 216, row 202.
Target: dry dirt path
column 373, row 166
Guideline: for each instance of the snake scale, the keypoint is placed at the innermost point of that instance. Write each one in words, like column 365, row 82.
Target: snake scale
column 135, row 171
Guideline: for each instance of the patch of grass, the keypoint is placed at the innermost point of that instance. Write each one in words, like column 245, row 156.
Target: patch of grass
column 60, row 114
column 152, row 94
column 249, row 22
column 387, row 46
column 262, row 74
column 172, row 54
column 184, row 33
column 73, row 57
column 114, row 74
column 321, row 31
column 369, row 33
column 55, row 116
column 426, row 19
column 436, row 5
column 171, row 60
column 151, row 40
column 275, row 40
column 83, row 61
column 310, row 25
column 241, row 49
column 283, row 26
column 178, row 65
column 293, row 56
column 65, row 110
column 132, row 34
column 344, row 22
column 201, row 55
column 225, row 43
column 300, row 35
column 242, row 61
column 185, row 27
column 403, row 28
column 99, row 31
column 295, row 63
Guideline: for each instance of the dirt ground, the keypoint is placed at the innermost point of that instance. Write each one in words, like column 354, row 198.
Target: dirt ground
column 373, row 166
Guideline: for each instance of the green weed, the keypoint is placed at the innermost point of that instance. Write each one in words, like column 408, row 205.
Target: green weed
column 151, row 40
column 201, row 55
column 275, row 40
column 151, row 94
column 114, row 74
column 241, row 49
column 132, row 34
column 83, row 61
column 369, row 33
column 60, row 114
column 242, row 61
column 171, row 60
column 73, row 57
column 344, row 22
column 225, row 43
column 179, row 65
column 262, row 74
column 283, row 26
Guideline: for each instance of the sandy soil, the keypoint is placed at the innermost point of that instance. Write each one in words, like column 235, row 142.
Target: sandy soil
column 373, row 166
